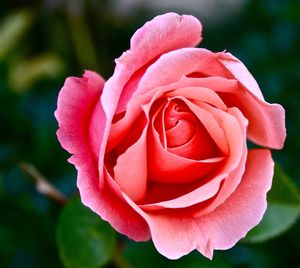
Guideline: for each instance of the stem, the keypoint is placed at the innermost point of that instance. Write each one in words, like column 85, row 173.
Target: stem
column 43, row 186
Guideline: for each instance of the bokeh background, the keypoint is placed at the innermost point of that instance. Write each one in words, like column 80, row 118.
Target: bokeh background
column 42, row 42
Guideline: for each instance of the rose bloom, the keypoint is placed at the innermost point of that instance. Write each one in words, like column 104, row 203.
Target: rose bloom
column 161, row 146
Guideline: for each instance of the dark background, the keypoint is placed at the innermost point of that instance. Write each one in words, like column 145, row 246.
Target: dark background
column 42, row 42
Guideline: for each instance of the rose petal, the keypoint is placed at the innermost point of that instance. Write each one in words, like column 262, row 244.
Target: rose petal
column 172, row 66
column 79, row 94
column 234, row 178
column 241, row 73
column 185, row 135
column 267, row 121
column 81, row 122
column 200, row 146
column 176, row 234
column 235, row 132
column 165, row 167
column 162, row 34
column 134, row 107
column 202, row 94
column 211, row 125
column 131, row 170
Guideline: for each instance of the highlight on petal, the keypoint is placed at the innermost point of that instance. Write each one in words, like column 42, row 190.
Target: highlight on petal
column 152, row 36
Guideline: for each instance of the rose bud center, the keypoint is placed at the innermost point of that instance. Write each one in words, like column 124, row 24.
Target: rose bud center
column 185, row 135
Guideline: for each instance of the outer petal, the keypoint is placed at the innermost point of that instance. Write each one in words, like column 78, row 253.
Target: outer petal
column 160, row 35
column 266, row 121
column 241, row 73
column 81, row 123
column 176, row 234
column 78, row 106
column 273, row 115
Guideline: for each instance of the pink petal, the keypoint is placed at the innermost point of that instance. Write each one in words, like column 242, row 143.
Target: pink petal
column 240, row 73
column 168, row 168
column 266, row 121
column 210, row 123
column 273, row 115
column 165, row 167
column 199, row 146
column 234, row 177
column 162, row 34
column 172, row 66
column 134, row 107
column 130, row 171
column 202, row 94
column 80, row 94
column 176, row 233
column 81, row 124
column 185, row 134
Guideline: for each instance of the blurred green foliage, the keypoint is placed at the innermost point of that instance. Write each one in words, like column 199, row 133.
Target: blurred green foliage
column 283, row 209
column 83, row 238
column 42, row 42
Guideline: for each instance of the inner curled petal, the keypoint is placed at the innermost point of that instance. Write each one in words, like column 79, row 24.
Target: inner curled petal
column 184, row 133
column 180, row 134
column 179, row 124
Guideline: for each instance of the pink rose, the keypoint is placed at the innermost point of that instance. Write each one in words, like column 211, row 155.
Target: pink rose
column 160, row 148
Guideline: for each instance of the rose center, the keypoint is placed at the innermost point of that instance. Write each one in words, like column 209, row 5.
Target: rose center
column 185, row 135
column 179, row 124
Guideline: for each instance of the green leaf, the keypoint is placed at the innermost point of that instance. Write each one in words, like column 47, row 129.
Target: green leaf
column 283, row 209
column 277, row 219
column 12, row 29
column 84, row 240
column 283, row 190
